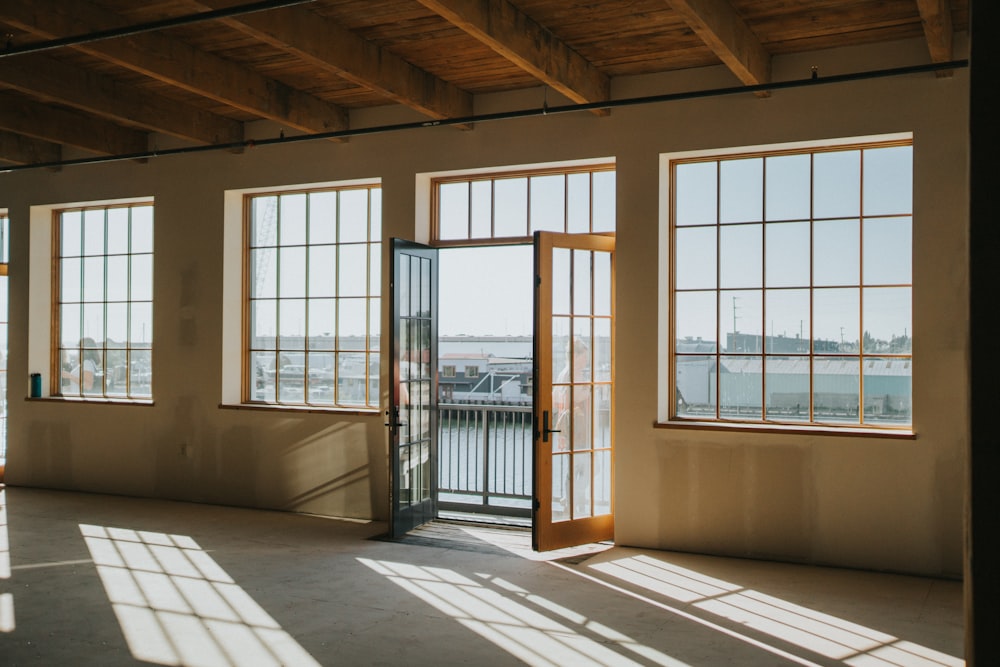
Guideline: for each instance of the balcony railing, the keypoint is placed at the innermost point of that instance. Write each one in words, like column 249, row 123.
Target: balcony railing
column 485, row 459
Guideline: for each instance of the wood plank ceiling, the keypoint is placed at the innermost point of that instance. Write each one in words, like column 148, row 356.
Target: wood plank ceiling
column 305, row 66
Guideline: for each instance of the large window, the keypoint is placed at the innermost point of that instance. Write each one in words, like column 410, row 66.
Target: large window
column 512, row 206
column 313, row 282
column 104, row 310
column 791, row 285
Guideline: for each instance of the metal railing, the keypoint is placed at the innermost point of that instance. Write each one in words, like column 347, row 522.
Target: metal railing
column 484, row 458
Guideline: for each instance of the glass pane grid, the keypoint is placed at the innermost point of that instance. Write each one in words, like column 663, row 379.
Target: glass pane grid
column 515, row 205
column 792, row 287
column 104, row 311
column 313, row 283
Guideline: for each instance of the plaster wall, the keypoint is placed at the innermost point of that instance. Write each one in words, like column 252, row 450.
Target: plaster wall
column 843, row 500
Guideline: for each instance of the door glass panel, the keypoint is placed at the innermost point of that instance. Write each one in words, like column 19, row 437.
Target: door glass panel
column 582, row 282
column 560, row 487
column 560, row 281
column 581, row 485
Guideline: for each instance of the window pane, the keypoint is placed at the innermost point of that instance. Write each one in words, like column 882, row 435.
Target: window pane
column 787, row 321
column 264, row 222
column 787, row 386
column 292, row 216
column 604, row 201
column 741, row 257
column 787, row 190
column 602, row 350
column 695, row 194
column 375, row 224
column 322, row 217
column 118, row 231
column 292, row 324
column 837, row 184
column 93, row 232
column 117, row 324
column 511, row 207
column 69, row 275
column 695, row 389
column 582, row 276
column 321, row 377
column 578, row 203
column 142, row 229
column 453, row 211
column 836, row 252
column 602, row 283
column 695, row 257
column 548, row 203
column 375, row 270
column 835, row 390
column 93, row 322
column 696, row 317
column 141, row 373
column 352, row 324
column 322, row 323
column 740, row 319
column 93, row 279
column 482, row 209
column 117, row 278
column 292, row 272
column 888, row 247
column 264, row 273
column 836, row 318
column 561, row 280
column 322, row 270
column 70, row 328
column 888, row 391
column 350, row 379
column 263, row 324
column 888, row 320
column 787, row 259
column 262, row 386
column 353, row 216
column 141, row 286
column 888, row 180
column 353, row 270
column 741, row 187
column 71, row 234
column 740, row 387
column 141, row 324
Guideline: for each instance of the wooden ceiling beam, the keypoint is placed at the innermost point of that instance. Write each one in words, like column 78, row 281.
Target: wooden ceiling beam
column 50, row 80
column 328, row 45
column 176, row 63
column 936, row 17
column 68, row 126
column 532, row 47
column 729, row 37
column 20, row 149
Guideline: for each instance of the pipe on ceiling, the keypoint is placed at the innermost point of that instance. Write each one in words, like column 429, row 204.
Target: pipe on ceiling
column 172, row 22
column 813, row 80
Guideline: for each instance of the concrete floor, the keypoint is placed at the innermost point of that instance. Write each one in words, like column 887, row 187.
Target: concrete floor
column 99, row 580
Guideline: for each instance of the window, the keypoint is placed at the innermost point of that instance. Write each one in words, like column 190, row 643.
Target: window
column 4, row 249
column 312, row 307
column 448, row 371
column 514, row 205
column 472, row 371
column 791, row 285
column 104, row 310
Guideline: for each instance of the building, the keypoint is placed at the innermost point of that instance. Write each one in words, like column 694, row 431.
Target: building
column 842, row 499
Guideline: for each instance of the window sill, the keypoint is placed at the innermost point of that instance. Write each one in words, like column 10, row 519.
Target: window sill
column 803, row 429
column 269, row 407
column 89, row 400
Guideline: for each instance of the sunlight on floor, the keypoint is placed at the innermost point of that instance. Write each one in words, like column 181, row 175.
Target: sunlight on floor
column 818, row 633
column 176, row 606
column 529, row 627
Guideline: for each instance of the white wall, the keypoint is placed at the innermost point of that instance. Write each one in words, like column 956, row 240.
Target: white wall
column 864, row 502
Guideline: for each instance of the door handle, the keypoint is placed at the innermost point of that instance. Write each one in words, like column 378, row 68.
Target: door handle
column 390, row 423
column 545, row 426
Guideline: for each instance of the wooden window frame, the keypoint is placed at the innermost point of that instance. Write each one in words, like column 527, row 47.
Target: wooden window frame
column 763, row 422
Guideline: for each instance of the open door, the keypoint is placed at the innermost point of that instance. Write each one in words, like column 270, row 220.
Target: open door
column 574, row 383
column 412, row 414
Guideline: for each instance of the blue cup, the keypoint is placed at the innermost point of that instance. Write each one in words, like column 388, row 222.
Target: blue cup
column 36, row 385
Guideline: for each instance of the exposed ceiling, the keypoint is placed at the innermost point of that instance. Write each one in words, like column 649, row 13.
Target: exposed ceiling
column 306, row 65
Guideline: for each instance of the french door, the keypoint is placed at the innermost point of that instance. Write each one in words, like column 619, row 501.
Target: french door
column 412, row 414
column 573, row 390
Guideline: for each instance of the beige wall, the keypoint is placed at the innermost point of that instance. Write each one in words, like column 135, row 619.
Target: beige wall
column 864, row 502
